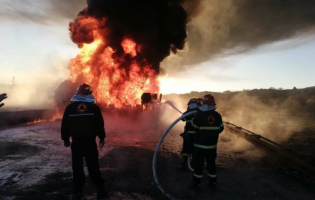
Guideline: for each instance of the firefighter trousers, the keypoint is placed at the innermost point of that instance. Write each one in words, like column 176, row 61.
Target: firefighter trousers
column 85, row 149
column 199, row 158
column 188, row 144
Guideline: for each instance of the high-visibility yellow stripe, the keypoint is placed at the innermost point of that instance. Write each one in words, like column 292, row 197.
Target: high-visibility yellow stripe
column 184, row 154
column 206, row 127
column 191, row 132
column 197, row 176
column 209, row 128
column 188, row 120
column 212, row 175
column 205, row 146
column 194, row 125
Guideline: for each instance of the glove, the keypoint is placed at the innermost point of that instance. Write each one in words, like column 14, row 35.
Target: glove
column 101, row 143
column 66, row 143
column 3, row 96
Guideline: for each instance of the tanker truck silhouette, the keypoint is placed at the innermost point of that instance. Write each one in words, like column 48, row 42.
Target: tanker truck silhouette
column 149, row 100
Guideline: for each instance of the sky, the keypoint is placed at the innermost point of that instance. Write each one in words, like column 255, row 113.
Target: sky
column 29, row 48
column 285, row 64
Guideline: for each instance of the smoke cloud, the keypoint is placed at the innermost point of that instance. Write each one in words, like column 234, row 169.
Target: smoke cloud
column 274, row 120
column 235, row 26
column 215, row 28
column 39, row 11
column 157, row 26
column 37, row 90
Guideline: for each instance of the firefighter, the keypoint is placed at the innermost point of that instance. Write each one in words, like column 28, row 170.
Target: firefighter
column 189, row 133
column 209, row 125
column 2, row 97
column 83, row 121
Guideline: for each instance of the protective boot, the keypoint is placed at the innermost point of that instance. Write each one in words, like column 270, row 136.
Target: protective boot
column 213, row 183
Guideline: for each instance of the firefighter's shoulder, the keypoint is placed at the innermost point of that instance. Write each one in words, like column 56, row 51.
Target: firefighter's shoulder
column 217, row 114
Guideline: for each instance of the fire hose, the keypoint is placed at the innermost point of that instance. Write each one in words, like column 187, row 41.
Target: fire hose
column 157, row 150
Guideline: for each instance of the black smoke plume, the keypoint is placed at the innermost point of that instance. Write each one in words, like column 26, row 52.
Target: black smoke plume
column 223, row 27
column 157, row 26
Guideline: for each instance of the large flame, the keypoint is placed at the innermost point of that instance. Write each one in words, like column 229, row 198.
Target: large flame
column 117, row 78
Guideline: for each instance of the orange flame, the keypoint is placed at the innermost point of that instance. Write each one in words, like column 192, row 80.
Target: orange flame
column 117, row 79
column 36, row 121
column 57, row 115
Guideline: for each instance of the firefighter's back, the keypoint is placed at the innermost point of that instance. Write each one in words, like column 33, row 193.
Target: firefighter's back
column 82, row 122
column 210, row 126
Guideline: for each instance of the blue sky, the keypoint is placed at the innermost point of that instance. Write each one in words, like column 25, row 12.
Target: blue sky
column 27, row 48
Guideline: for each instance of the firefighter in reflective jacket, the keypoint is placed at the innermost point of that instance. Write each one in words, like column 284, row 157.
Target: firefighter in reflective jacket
column 209, row 125
column 189, row 133
column 83, row 121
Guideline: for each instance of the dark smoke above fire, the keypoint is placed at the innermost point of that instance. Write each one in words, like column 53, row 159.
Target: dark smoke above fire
column 156, row 26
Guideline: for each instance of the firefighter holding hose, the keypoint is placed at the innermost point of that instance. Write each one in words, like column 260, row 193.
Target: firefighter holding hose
column 83, row 122
column 209, row 125
column 189, row 133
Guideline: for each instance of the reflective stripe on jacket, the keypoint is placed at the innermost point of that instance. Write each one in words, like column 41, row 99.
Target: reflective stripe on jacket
column 208, row 126
column 205, row 146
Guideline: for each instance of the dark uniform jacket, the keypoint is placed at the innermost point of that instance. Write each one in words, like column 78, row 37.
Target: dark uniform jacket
column 209, row 125
column 82, row 120
column 188, row 127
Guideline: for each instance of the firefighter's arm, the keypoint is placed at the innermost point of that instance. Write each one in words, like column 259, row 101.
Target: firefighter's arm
column 65, row 129
column 184, row 119
column 195, row 122
column 100, row 124
column 2, row 97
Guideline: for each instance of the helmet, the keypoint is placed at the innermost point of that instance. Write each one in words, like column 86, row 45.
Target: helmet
column 200, row 101
column 193, row 100
column 209, row 99
column 193, row 103
column 84, row 89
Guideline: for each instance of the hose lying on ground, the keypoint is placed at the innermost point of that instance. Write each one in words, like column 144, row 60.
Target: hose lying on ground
column 157, row 151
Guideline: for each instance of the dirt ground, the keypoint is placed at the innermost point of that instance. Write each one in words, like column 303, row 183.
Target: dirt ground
column 34, row 164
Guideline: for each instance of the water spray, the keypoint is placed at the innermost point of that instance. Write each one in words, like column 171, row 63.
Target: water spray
column 159, row 144
column 172, row 105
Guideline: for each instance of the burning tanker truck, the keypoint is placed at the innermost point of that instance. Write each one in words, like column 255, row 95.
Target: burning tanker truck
column 148, row 100
column 122, row 44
